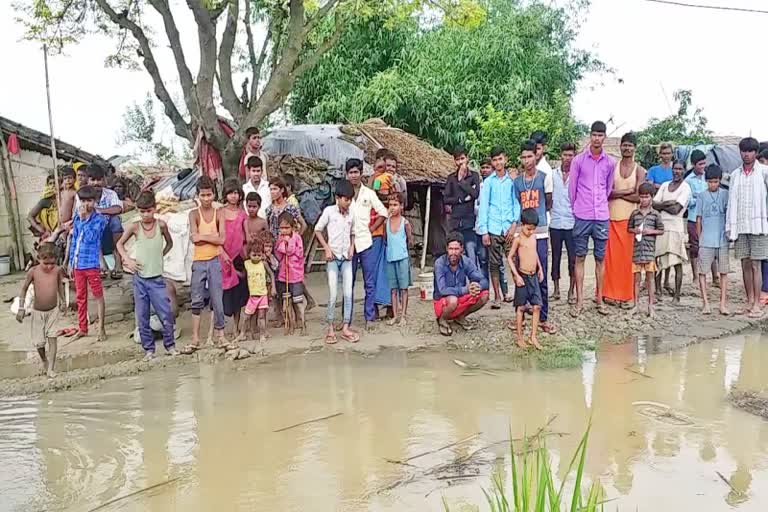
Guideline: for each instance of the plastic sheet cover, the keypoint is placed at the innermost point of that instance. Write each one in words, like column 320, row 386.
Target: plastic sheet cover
column 315, row 141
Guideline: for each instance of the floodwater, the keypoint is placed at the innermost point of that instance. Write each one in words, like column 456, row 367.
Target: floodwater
column 212, row 430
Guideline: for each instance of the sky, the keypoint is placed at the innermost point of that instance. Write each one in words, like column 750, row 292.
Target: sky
column 654, row 49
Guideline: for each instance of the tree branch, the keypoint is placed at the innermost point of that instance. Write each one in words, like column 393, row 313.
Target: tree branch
column 185, row 76
column 321, row 50
column 226, row 87
column 181, row 127
column 206, row 35
column 318, row 17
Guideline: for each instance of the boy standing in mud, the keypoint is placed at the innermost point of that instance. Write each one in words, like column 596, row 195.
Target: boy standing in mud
column 47, row 279
column 153, row 242
column 646, row 225
column 526, row 268
column 83, row 254
column 711, row 207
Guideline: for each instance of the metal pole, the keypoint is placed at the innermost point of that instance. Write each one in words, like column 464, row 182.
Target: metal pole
column 50, row 127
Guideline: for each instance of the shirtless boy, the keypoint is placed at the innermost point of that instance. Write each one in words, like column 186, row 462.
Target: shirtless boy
column 46, row 278
column 68, row 194
column 254, row 225
column 528, row 273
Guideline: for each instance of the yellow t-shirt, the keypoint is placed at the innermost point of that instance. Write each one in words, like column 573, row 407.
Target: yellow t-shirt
column 257, row 278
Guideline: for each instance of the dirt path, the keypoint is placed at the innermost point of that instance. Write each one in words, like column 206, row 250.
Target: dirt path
column 86, row 361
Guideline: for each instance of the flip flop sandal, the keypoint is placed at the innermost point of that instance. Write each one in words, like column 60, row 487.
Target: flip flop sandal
column 495, row 305
column 509, row 300
column 115, row 275
column 104, row 274
column 464, row 324
column 354, row 338
column 189, row 349
column 603, row 310
column 330, row 339
column 445, row 330
column 548, row 328
column 575, row 312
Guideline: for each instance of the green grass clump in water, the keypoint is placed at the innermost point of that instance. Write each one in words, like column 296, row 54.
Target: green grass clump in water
column 563, row 353
column 533, row 483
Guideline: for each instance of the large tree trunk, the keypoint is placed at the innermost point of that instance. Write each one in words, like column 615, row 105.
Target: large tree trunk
column 230, row 160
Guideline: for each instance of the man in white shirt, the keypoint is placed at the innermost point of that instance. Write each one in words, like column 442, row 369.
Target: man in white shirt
column 747, row 221
column 256, row 183
column 366, row 254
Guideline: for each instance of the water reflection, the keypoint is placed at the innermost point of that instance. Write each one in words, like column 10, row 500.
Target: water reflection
column 213, row 429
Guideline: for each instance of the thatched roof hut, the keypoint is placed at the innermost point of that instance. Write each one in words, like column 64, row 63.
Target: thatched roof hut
column 419, row 162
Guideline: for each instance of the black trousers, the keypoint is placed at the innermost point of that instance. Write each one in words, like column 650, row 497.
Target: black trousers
column 558, row 237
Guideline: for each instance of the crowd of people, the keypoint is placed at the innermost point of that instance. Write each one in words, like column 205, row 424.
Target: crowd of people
column 638, row 222
column 249, row 257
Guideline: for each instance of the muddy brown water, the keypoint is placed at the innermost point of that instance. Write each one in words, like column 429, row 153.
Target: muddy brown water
column 212, row 429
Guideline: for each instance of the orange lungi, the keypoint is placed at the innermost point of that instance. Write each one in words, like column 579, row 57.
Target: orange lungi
column 619, row 282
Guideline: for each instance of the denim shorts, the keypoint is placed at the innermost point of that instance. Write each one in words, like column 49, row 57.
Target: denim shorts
column 597, row 230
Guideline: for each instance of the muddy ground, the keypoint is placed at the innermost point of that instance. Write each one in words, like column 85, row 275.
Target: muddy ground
column 86, row 361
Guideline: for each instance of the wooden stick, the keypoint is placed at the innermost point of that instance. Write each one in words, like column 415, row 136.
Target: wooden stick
column 121, row 498
column 637, row 372
column 425, row 240
column 308, row 421
column 429, row 452
column 728, row 482
column 57, row 193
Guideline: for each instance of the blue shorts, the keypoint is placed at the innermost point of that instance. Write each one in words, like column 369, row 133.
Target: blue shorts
column 583, row 230
column 399, row 274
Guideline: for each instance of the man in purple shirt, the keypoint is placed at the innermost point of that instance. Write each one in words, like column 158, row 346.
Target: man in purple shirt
column 590, row 186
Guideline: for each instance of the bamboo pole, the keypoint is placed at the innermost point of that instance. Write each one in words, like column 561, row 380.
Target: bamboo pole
column 426, row 228
column 50, row 126
column 13, row 204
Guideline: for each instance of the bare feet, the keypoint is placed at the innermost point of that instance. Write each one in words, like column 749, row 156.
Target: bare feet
column 51, row 374
column 724, row 310
column 756, row 313
column 676, row 300
column 80, row 334
column 652, row 313
column 102, row 336
column 262, row 338
column 706, row 310
column 402, row 322
column 369, row 326
column 392, row 321
column 521, row 342
column 241, row 337
column 634, row 310
column 535, row 343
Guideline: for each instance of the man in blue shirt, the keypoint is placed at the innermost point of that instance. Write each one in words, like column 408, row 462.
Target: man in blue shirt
column 662, row 173
column 698, row 184
column 460, row 287
column 497, row 217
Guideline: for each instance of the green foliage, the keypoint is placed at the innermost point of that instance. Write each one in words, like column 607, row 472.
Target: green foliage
column 369, row 46
column 687, row 126
column 533, row 482
column 444, row 78
column 510, row 128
